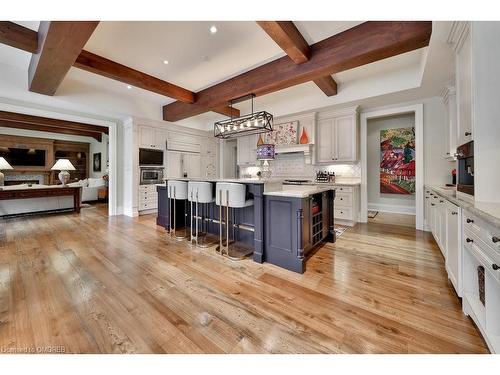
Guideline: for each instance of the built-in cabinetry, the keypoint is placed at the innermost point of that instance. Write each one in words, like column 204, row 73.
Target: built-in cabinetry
column 443, row 219
column 183, row 164
column 337, row 136
column 451, row 135
column 247, row 150
column 481, row 277
column 151, row 137
column 463, row 132
column 148, row 197
column 346, row 204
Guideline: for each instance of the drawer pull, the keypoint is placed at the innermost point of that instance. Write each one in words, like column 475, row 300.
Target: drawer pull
column 426, row 197
column 454, row 213
column 432, row 204
column 470, row 221
column 441, row 201
column 467, row 134
column 469, row 240
column 495, row 266
column 495, row 239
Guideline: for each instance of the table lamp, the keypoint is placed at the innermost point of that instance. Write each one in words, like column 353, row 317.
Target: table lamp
column 265, row 153
column 4, row 164
column 63, row 165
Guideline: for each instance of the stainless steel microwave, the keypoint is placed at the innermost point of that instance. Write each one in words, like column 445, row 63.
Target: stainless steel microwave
column 151, row 175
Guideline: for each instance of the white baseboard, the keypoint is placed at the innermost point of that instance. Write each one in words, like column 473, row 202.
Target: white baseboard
column 391, row 208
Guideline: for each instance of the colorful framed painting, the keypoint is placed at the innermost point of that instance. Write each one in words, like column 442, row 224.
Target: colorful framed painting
column 397, row 161
column 283, row 134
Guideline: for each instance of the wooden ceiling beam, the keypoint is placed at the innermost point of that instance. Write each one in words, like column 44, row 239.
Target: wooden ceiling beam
column 288, row 37
column 37, row 127
column 228, row 111
column 100, row 65
column 59, row 44
column 13, row 117
column 327, row 84
column 360, row 45
column 18, row 36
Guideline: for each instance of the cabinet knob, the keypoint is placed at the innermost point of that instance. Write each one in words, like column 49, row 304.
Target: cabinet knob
column 470, row 221
column 432, row 204
column 467, row 134
column 495, row 266
column 469, row 240
column 426, row 197
column 495, row 239
column 441, row 201
column 447, row 153
column 454, row 213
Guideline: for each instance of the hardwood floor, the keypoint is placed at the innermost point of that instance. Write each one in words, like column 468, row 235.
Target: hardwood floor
column 393, row 219
column 89, row 283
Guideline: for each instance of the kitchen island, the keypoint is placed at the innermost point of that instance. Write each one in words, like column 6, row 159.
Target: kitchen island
column 287, row 221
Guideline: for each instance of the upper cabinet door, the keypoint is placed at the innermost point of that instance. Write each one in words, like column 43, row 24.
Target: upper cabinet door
column 345, row 138
column 160, row 139
column 243, row 150
column 325, row 141
column 192, row 165
column 174, row 164
column 464, row 91
column 146, row 137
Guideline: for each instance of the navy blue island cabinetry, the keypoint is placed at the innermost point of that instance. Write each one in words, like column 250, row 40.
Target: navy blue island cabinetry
column 286, row 222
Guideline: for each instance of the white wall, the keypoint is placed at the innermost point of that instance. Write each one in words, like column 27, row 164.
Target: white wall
column 486, row 107
column 95, row 146
column 376, row 200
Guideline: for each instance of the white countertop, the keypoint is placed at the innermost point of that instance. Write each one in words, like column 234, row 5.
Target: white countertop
column 299, row 191
column 488, row 211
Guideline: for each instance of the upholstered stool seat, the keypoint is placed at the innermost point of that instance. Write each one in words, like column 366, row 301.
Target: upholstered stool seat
column 176, row 191
column 230, row 195
column 200, row 192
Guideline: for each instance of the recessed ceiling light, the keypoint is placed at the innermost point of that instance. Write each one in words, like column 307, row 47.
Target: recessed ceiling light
column 129, row 87
column 165, row 62
column 213, row 29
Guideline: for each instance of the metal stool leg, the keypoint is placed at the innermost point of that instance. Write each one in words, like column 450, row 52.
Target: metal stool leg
column 193, row 238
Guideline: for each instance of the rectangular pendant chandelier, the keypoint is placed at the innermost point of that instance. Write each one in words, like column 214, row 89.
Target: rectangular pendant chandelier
column 254, row 123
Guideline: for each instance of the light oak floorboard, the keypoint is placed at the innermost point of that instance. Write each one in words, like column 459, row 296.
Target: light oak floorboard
column 89, row 283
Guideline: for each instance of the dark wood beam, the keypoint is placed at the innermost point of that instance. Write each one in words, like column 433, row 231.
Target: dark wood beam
column 13, row 117
column 360, row 45
column 228, row 111
column 327, row 84
column 288, row 37
column 18, row 36
column 104, row 67
column 59, row 44
column 52, row 129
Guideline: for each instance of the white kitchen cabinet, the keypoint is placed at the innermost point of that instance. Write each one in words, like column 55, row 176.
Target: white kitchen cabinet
column 481, row 265
column 183, row 142
column 464, row 85
column 151, row 137
column 346, row 205
column 174, row 164
column 451, row 135
column 247, row 150
column 453, row 245
column 192, row 165
column 180, row 164
column 337, row 138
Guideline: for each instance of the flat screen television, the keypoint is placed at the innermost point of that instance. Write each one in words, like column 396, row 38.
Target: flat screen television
column 150, row 157
column 26, row 157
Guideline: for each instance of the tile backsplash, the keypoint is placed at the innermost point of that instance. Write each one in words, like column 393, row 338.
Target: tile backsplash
column 293, row 165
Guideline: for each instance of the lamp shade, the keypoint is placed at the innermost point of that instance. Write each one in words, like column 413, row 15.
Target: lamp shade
column 265, row 152
column 63, row 165
column 4, row 164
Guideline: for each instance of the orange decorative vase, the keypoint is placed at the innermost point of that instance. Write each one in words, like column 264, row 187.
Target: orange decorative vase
column 303, row 137
column 260, row 141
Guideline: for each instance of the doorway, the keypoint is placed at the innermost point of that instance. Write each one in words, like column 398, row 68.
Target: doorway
column 415, row 111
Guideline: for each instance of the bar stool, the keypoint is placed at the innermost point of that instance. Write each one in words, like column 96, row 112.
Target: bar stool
column 177, row 191
column 200, row 192
column 231, row 195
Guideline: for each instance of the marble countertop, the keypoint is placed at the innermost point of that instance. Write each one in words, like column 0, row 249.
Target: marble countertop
column 339, row 181
column 299, row 191
column 488, row 211
column 238, row 180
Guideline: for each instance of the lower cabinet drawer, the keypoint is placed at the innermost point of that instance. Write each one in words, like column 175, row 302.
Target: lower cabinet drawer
column 148, row 206
column 343, row 213
column 343, row 199
column 344, row 189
